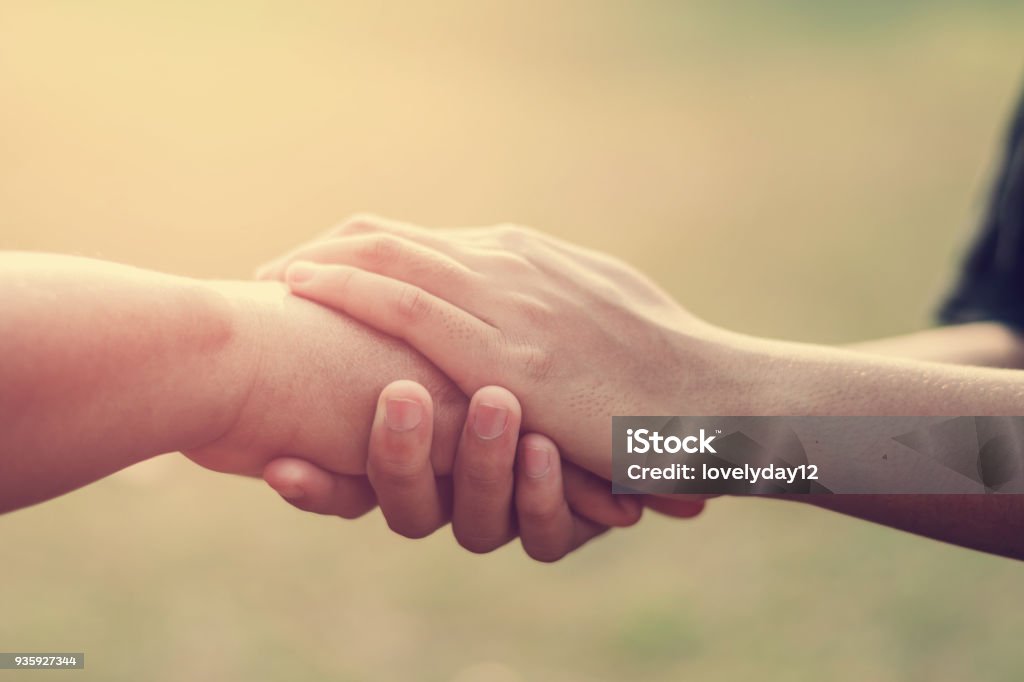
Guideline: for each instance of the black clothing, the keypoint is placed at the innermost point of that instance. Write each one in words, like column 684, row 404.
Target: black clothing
column 991, row 284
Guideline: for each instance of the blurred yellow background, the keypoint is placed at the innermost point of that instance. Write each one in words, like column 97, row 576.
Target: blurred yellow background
column 807, row 170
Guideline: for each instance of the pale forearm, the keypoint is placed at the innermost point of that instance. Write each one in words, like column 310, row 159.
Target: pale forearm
column 796, row 379
column 792, row 378
column 985, row 344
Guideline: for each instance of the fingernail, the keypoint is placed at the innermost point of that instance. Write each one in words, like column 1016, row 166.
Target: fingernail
column 300, row 272
column 290, row 492
column 402, row 415
column 536, row 461
column 490, row 421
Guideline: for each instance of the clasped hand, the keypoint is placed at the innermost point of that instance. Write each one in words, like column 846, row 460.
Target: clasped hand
column 576, row 335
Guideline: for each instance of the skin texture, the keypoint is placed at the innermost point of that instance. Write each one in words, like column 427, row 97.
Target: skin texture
column 537, row 316
column 247, row 380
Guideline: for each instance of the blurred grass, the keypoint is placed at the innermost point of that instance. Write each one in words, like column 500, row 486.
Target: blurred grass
column 796, row 169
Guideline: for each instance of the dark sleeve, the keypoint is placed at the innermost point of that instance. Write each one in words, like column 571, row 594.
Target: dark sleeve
column 991, row 283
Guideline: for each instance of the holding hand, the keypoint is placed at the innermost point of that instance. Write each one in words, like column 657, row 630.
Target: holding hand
column 501, row 484
column 577, row 335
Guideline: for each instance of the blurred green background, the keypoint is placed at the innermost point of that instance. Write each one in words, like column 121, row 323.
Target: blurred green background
column 807, row 170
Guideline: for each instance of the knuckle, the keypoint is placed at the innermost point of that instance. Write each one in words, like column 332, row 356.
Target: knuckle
column 540, row 514
column 516, row 233
column 610, row 294
column 413, row 304
column 536, row 363
column 534, row 312
column 360, row 223
column 343, row 282
column 400, row 468
column 486, row 475
column 396, row 471
column 382, row 249
column 442, row 269
column 510, row 237
column 515, row 263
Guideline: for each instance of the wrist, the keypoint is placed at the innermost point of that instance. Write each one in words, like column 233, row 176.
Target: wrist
column 248, row 311
column 305, row 383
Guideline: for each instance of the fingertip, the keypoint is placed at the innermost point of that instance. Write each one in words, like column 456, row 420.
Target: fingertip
column 300, row 273
column 299, row 482
column 285, row 476
column 621, row 512
column 494, row 412
column 537, row 456
column 681, row 508
column 545, row 554
column 632, row 509
column 404, row 406
column 266, row 271
column 690, row 510
column 309, row 488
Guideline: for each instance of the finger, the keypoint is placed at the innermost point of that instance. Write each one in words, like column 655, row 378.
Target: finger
column 358, row 225
column 555, row 257
column 482, row 518
column 548, row 528
column 432, row 325
column 396, row 257
column 399, row 465
column 681, row 507
column 591, row 497
column 310, row 488
column 274, row 268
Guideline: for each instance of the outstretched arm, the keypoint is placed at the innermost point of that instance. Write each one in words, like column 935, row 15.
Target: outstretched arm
column 103, row 365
